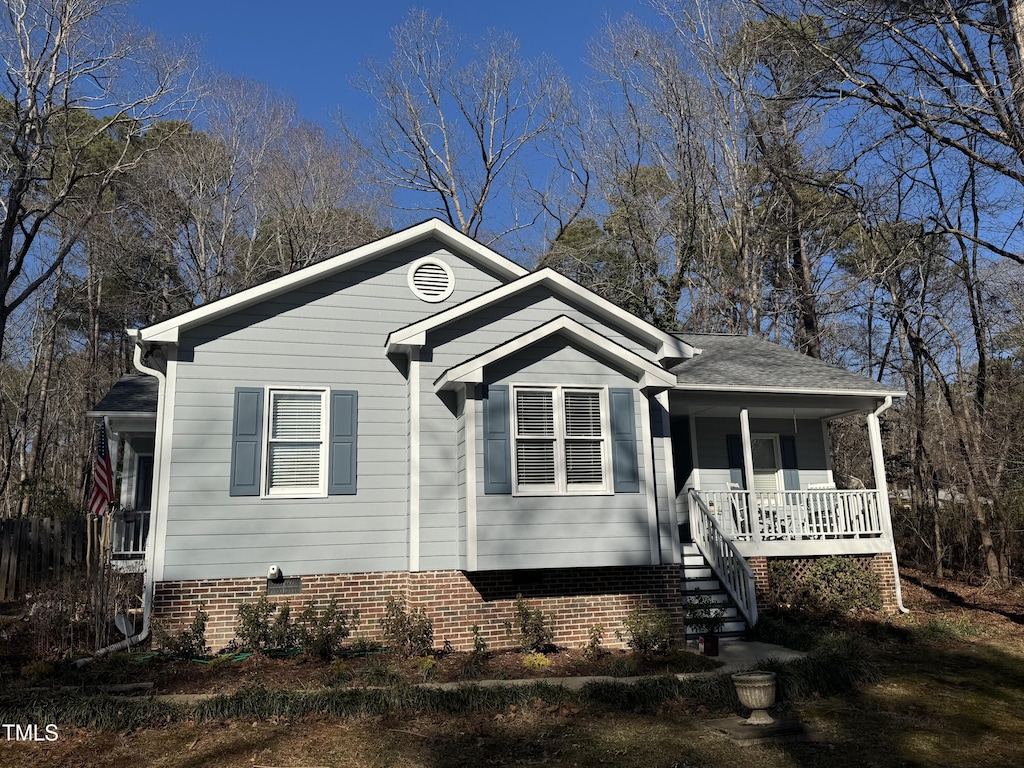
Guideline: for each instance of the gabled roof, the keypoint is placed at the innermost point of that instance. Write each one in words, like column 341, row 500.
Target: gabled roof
column 729, row 363
column 666, row 345
column 168, row 330
column 132, row 394
column 471, row 371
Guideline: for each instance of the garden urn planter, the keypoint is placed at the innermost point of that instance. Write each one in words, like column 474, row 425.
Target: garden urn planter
column 756, row 691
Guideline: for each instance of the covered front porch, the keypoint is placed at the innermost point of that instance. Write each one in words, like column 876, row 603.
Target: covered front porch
column 759, row 465
column 128, row 412
column 754, row 479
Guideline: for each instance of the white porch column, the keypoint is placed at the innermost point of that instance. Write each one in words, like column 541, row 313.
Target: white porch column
column 882, row 488
column 753, row 519
column 878, row 470
column 748, row 457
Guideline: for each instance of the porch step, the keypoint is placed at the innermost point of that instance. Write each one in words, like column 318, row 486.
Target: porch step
column 699, row 579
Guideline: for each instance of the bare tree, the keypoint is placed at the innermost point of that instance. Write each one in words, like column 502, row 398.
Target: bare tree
column 77, row 81
column 313, row 205
column 454, row 127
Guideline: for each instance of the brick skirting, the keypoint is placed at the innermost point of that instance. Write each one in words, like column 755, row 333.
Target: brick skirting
column 573, row 599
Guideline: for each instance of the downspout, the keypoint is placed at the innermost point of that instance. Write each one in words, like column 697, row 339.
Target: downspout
column 874, row 435
column 148, row 584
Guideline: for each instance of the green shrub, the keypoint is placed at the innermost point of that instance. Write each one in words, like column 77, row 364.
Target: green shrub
column 409, row 633
column 703, row 615
column 189, row 643
column 36, row 671
column 838, row 584
column 321, row 635
column 834, row 584
column 254, row 630
column 647, row 630
column 535, row 634
column 479, row 644
column 594, row 649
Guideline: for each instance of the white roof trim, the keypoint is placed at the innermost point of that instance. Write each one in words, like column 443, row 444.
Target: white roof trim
column 167, row 331
column 668, row 346
column 471, row 371
column 789, row 390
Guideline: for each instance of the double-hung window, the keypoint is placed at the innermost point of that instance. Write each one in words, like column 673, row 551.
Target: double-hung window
column 296, row 456
column 561, row 440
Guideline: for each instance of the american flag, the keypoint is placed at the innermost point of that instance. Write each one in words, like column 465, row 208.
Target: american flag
column 102, row 476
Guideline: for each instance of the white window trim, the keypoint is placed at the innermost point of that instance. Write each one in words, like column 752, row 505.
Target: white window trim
column 320, row 491
column 561, row 485
column 774, row 437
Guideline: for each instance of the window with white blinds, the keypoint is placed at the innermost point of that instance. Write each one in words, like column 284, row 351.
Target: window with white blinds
column 295, row 442
column 561, row 440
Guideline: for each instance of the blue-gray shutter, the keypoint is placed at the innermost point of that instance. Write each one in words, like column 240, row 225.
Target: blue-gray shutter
column 734, row 448
column 497, row 441
column 625, row 467
column 343, row 448
column 247, row 442
column 790, row 473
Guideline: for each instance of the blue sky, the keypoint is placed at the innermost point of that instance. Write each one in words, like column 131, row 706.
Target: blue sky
column 309, row 50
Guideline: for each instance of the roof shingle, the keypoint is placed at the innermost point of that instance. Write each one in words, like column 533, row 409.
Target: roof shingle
column 729, row 361
column 132, row 393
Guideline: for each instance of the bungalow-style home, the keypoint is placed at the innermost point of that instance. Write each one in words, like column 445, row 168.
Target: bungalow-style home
column 422, row 418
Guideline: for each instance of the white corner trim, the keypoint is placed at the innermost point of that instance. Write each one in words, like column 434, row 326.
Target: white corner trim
column 162, row 454
column 469, row 431
column 670, row 474
column 471, row 371
column 168, row 330
column 650, row 491
column 666, row 345
column 414, row 460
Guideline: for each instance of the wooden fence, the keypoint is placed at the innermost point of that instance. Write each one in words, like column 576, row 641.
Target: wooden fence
column 35, row 552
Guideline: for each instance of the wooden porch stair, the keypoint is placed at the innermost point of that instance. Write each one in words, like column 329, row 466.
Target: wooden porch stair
column 699, row 579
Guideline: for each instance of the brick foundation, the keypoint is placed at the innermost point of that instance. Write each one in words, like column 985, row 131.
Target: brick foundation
column 573, row 599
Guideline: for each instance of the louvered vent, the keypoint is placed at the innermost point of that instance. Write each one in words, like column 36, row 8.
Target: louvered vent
column 431, row 280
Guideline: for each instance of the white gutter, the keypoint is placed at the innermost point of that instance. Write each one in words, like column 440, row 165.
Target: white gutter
column 148, row 585
column 874, row 434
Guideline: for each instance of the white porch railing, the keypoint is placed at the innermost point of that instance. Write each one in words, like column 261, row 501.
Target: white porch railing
column 729, row 566
column 130, row 530
column 794, row 515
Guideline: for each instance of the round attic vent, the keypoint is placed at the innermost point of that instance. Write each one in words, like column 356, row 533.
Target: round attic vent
column 431, row 280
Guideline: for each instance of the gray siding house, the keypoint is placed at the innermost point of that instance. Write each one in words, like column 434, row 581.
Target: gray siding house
column 422, row 418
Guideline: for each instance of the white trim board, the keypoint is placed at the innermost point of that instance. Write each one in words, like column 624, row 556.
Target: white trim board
column 471, row 371
column 665, row 344
column 169, row 330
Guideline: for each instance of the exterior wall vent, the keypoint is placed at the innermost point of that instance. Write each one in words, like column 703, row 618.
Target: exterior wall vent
column 431, row 280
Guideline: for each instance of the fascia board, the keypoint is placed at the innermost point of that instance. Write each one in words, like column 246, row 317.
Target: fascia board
column 471, row 371
column 415, row 334
column 167, row 331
